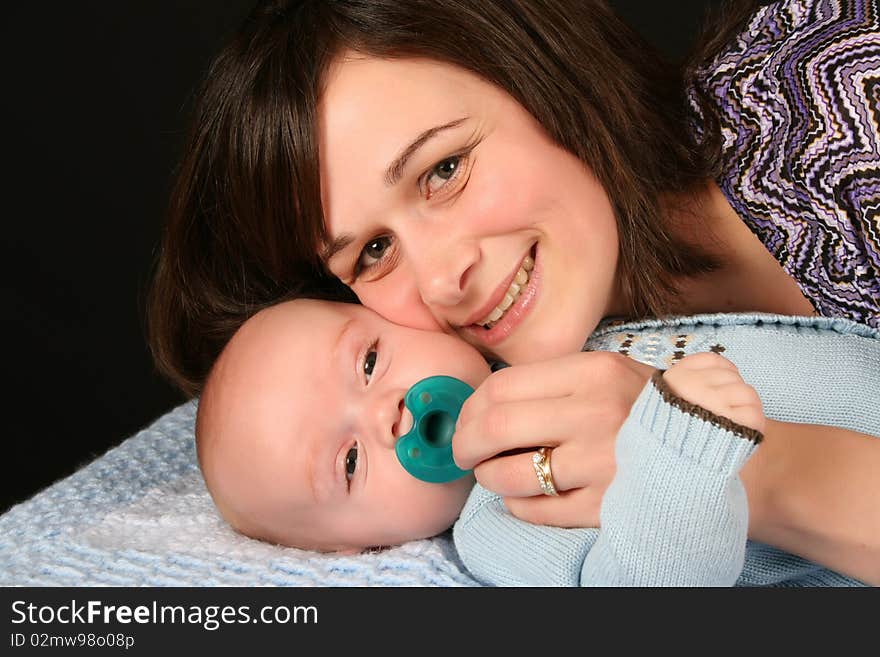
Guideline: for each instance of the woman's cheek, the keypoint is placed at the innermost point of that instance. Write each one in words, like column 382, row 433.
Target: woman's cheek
column 495, row 205
column 396, row 298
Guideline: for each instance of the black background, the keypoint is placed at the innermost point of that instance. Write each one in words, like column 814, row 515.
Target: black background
column 94, row 104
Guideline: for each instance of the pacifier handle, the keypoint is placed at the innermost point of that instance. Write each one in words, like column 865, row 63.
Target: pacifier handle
column 425, row 451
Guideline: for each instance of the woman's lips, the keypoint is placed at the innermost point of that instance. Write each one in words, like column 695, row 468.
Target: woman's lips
column 514, row 315
column 477, row 317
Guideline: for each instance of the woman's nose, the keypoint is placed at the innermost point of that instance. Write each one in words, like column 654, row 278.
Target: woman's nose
column 443, row 271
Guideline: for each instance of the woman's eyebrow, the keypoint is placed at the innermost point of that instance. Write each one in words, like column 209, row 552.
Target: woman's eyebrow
column 395, row 170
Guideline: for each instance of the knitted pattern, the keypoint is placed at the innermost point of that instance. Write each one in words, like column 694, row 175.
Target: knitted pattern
column 797, row 95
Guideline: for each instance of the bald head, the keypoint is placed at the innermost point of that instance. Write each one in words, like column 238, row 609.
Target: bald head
column 247, row 427
column 221, row 431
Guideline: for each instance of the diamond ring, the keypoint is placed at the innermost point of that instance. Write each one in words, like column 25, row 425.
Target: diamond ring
column 541, row 462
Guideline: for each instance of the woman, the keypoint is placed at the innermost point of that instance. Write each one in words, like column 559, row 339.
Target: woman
column 514, row 173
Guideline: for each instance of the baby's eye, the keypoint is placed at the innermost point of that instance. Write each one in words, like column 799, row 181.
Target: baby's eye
column 441, row 174
column 370, row 363
column 351, row 459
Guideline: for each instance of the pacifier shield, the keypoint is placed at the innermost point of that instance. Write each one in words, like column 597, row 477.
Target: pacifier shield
column 425, row 451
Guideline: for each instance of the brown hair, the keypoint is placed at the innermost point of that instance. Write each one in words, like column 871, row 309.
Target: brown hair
column 245, row 223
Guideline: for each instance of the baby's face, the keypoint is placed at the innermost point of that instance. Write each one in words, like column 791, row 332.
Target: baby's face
column 306, row 408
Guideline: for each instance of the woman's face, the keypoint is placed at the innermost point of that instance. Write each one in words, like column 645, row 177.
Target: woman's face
column 448, row 206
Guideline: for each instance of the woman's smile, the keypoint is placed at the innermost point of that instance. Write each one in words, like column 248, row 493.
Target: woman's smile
column 518, row 294
column 518, row 283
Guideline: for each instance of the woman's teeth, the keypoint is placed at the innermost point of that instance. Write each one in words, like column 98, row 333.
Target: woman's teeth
column 516, row 287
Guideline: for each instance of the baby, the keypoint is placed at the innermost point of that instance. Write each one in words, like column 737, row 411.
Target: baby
column 298, row 421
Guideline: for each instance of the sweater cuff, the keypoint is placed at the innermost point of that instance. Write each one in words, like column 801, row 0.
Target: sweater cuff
column 690, row 430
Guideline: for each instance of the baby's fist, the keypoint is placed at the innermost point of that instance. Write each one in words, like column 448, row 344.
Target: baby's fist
column 714, row 383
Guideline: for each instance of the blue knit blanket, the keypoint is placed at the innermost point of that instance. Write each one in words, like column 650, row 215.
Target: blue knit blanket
column 140, row 515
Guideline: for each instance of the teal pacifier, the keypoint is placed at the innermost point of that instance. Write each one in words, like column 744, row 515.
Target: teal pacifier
column 425, row 451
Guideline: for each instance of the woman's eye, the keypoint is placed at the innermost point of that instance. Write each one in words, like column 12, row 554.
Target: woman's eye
column 441, row 174
column 373, row 252
column 370, row 363
column 351, row 459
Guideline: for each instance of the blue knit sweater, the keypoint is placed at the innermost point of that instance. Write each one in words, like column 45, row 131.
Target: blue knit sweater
column 676, row 513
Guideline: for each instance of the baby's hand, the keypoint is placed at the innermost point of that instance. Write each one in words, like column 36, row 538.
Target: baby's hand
column 714, row 383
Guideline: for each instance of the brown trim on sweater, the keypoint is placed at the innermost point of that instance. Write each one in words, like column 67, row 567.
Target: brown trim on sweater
column 699, row 412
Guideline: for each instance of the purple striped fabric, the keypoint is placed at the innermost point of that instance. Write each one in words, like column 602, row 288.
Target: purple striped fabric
column 798, row 98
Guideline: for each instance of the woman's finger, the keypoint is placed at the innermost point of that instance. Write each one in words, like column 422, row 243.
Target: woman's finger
column 514, row 475
column 558, row 377
column 543, row 380
column 524, row 424
column 575, row 508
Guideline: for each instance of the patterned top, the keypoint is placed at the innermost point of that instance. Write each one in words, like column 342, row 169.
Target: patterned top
column 797, row 95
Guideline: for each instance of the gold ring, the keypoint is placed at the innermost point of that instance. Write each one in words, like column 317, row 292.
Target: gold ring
column 541, row 461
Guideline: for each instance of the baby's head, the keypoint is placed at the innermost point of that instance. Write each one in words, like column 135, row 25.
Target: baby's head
column 298, row 422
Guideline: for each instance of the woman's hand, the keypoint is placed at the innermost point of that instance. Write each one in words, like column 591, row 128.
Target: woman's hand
column 576, row 405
